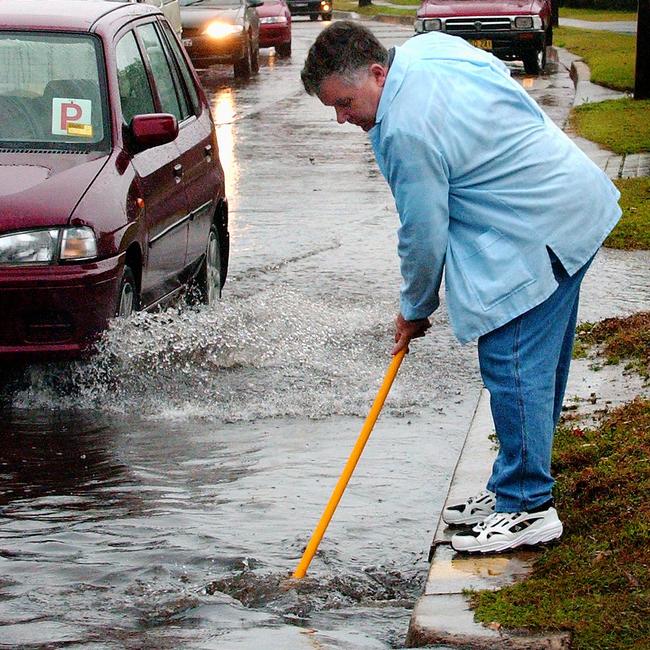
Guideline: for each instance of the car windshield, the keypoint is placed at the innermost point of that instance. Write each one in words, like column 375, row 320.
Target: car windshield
column 223, row 4
column 50, row 92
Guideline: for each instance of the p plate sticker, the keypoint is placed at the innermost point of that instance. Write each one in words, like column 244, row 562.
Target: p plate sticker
column 72, row 117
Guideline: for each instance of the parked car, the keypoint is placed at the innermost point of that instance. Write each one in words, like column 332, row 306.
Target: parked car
column 111, row 189
column 510, row 29
column 222, row 31
column 170, row 8
column 312, row 8
column 275, row 26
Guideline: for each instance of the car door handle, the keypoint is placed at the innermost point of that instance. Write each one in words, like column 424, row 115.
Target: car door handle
column 178, row 172
column 208, row 151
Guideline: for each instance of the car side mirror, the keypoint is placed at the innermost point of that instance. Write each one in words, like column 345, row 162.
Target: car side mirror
column 154, row 129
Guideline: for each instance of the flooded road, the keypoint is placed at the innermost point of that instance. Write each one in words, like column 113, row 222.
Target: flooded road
column 159, row 495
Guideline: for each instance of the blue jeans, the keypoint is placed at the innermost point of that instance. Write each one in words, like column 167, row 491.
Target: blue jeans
column 525, row 367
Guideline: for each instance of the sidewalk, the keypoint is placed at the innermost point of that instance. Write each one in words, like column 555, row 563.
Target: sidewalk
column 614, row 165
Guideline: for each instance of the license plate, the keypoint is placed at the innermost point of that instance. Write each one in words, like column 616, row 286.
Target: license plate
column 482, row 43
column 187, row 42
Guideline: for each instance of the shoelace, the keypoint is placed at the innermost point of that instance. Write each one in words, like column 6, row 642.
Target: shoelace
column 489, row 520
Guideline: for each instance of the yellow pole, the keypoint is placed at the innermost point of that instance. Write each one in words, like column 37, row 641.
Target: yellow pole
column 342, row 483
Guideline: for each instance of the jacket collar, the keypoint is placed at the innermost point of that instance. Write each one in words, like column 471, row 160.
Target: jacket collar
column 394, row 78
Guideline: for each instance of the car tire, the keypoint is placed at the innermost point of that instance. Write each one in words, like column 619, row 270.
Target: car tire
column 326, row 16
column 284, row 49
column 244, row 66
column 207, row 284
column 534, row 61
column 127, row 294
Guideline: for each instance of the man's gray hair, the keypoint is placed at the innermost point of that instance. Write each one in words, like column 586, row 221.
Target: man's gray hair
column 344, row 48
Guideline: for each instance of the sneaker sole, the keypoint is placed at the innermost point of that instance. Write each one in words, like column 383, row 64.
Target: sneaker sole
column 533, row 538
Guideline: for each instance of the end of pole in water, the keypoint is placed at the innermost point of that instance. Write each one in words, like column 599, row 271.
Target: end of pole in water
column 337, row 493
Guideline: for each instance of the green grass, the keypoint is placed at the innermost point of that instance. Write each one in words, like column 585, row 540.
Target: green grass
column 619, row 339
column 610, row 56
column 633, row 230
column 374, row 10
column 595, row 582
column 620, row 125
column 595, row 14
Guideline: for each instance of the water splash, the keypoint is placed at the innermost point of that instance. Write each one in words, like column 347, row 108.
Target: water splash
column 278, row 353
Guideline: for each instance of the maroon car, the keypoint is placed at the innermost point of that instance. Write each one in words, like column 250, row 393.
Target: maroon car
column 275, row 26
column 510, row 29
column 111, row 189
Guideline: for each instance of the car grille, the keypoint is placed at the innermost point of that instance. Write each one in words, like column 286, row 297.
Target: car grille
column 191, row 31
column 496, row 24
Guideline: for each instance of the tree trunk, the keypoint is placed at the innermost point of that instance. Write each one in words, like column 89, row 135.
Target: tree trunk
column 642, row 74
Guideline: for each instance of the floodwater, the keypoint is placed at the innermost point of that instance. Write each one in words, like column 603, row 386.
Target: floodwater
column 159, row 495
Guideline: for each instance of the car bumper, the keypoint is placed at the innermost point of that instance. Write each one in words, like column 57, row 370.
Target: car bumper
column 271, row 35
column 308, row 8
column 206, row 50
column 505, row 45
column 56, row 311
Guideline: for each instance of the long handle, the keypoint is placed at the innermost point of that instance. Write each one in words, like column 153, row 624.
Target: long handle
column 342, row 483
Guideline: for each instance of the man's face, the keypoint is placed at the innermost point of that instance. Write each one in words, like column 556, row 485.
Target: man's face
column 357, row 102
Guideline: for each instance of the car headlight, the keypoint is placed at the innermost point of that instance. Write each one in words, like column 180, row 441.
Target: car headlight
column 46, row 246
column 428, row 25
column 220, row 30
column 270, row 20
column 524, row 22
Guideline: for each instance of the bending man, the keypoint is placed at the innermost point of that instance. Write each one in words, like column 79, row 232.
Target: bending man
column 490, row 190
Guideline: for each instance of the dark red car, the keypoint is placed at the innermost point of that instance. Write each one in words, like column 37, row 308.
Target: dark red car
column 275, row 26
column 510, row 29
column 111, row 189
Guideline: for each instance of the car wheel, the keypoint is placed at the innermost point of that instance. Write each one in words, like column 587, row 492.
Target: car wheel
column 208, row 280
column 327, row 16
column 127, row 295
column 284, row 49
column 244, row 66
column 533, row 61
column 255, row 60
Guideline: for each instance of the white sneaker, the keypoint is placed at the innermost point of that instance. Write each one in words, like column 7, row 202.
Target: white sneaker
column 505, row 530
column 472, row 511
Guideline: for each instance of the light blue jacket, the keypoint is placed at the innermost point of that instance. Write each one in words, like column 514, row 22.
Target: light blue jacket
column 483, row 182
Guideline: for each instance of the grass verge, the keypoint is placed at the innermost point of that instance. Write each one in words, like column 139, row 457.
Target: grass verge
column 632, row 232
column 374, row 10
column 597, row 15
column 620, row 125
column 595, row 582
column 619, row 339
column 610, row 56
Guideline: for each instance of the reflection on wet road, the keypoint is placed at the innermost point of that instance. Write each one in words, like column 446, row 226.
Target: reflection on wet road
column 159, row 495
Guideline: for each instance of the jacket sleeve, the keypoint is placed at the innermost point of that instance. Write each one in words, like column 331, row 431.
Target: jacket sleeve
column 419, row 180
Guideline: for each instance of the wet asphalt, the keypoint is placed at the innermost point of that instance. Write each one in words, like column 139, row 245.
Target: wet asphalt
column 159, row 495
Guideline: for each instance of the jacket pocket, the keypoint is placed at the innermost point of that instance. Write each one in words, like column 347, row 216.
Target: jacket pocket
column 494, row 269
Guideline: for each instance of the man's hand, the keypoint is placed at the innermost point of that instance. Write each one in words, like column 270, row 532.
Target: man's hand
column 405, row 330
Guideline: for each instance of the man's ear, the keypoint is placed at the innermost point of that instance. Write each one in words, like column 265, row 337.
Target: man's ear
column 379, row 73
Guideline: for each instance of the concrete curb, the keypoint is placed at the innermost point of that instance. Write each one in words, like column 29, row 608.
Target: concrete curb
column 442, row 615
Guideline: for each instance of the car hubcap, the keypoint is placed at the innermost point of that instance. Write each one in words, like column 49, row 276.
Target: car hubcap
column 213, row 275
column 126, row 301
